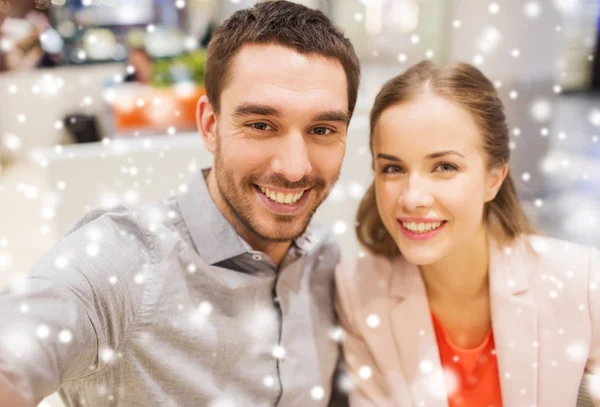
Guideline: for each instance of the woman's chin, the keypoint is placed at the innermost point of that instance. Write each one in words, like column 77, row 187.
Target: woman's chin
column 423, row 256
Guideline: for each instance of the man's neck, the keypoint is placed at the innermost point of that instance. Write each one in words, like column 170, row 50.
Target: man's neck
column 275, row 251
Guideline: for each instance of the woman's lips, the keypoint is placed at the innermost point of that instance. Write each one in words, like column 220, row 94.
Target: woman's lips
column 425, row 235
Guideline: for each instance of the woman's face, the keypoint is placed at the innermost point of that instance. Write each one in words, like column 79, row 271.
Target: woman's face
column 431, row 180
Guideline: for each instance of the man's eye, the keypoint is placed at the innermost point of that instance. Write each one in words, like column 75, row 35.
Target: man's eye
column 322, row 131
column 260, row 126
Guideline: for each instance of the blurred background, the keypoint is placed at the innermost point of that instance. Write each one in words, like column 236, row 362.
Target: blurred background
column 97, row 104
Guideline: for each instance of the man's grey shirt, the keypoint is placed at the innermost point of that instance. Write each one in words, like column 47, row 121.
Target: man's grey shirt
column 165, row 305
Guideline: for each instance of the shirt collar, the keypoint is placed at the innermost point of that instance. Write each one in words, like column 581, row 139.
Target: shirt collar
column 214, row 237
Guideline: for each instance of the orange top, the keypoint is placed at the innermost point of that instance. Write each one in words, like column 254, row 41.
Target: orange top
column 471, row 374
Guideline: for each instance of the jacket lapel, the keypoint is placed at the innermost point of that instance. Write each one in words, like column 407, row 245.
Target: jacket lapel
column 415, row 338
column 514, row 323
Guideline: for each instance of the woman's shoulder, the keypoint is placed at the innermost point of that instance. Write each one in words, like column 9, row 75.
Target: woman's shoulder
column 555, row 255
column 364, row 264
column 366, row 275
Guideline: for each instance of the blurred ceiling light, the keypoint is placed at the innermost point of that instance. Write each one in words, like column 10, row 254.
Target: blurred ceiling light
column 374, row 17
column 59, row 3
column 489, row 40
column 405, row 15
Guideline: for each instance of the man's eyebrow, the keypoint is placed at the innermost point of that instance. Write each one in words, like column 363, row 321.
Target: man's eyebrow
column 246, row 109
column 333, row 116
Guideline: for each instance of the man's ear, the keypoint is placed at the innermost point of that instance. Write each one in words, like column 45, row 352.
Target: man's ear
column 206, row 120
column 495, row 177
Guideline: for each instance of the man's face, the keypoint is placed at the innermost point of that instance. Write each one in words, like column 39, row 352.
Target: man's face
column 280, row 138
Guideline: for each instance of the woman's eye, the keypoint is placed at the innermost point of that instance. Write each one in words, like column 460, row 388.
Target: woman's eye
column 446, row 167
column 260, row 126
column 322, row 131
column 391, row 169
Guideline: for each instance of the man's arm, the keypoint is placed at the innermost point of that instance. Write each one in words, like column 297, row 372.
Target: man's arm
column 67, row 318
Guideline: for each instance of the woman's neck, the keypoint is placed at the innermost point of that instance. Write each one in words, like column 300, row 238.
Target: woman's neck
column 462, row 276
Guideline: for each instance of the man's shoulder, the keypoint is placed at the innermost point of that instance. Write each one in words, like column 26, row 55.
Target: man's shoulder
column 126, row 236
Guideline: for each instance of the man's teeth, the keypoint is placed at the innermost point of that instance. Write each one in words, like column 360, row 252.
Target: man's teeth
column 421, row 227
column 280, row 197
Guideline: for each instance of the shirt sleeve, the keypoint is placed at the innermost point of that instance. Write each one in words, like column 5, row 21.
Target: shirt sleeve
column 68, row 318
column 592, row 374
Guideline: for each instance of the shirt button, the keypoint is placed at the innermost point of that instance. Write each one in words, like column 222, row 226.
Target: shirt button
column 257, row 257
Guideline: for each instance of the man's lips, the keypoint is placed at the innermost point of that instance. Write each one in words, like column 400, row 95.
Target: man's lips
column 290, row 208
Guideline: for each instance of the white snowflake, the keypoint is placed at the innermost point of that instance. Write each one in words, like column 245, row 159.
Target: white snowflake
column 42, row 331
column 336, row 334
column 494, row 8
column 340, row 227
column 269, row 381
column 532, row 9
column 365, row 372
column 278, row 352
column 65, row 336
column 317, row 393
column 107, row 355
column 373, row 321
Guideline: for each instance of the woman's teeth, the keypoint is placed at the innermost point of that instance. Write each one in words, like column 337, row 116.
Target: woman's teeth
column 280, row 197
column 421, row 227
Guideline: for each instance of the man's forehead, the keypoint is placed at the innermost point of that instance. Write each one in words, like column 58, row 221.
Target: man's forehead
column 261, row 65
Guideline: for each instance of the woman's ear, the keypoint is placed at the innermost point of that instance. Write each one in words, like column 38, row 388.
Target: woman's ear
column 206, row 120
column 495, row 178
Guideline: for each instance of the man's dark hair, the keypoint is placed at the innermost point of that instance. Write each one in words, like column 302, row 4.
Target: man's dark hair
column 279, row 22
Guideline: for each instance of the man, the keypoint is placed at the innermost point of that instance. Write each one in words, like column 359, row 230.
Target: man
column 222, row 296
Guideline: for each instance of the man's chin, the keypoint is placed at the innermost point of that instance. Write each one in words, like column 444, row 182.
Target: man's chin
column 282, row 232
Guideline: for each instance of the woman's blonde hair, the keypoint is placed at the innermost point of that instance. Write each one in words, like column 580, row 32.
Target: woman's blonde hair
column 466, row 86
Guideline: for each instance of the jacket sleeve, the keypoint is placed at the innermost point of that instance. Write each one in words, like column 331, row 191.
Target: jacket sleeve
column 367, row 383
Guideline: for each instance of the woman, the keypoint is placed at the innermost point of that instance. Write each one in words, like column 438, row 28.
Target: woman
column 457, row 302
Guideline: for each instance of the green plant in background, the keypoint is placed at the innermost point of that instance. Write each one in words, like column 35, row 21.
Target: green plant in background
column 185, row 67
